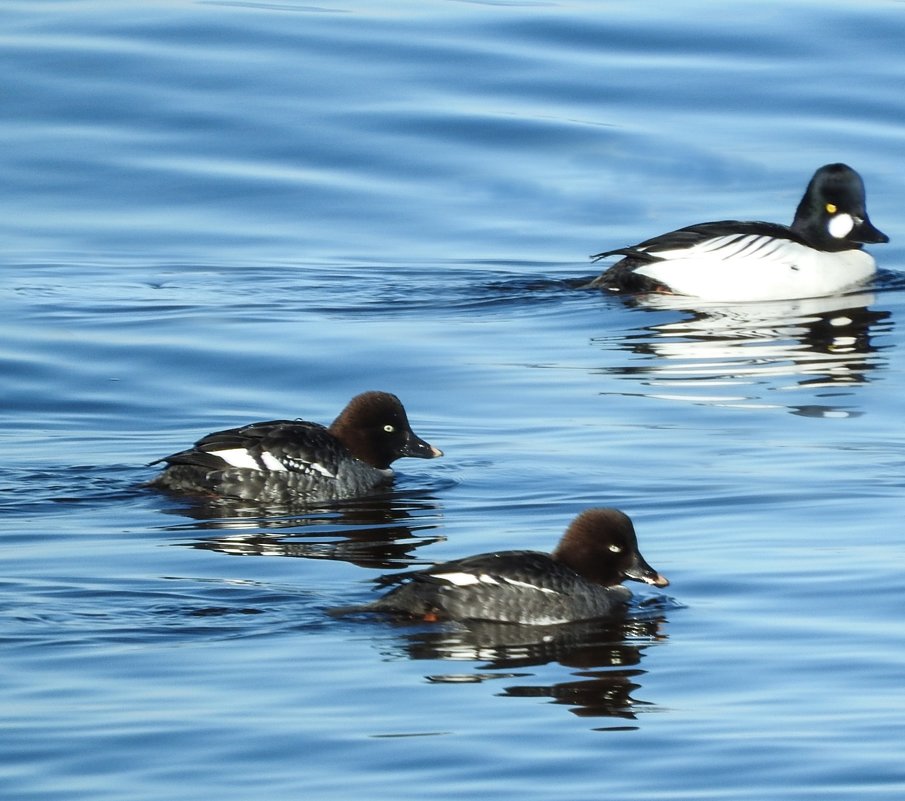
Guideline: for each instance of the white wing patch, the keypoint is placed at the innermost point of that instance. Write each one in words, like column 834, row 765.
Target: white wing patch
column 272, row 463
column 238, row 457
column 733, row 246
column 319, row 468
column 304, row 466
column 464, row 579
column 469, row 579
column 526, row 585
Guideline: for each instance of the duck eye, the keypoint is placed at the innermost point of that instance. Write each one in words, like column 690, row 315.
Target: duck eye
column 388, row 428
column 831, row 208
column 616, row 549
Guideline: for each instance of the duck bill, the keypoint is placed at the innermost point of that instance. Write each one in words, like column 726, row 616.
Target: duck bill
column 419, row 449
column 643, row 572
column 865, row 233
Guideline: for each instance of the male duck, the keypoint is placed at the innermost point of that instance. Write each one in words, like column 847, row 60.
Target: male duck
column 285, row 461
column 819, row 254
column 580, row 580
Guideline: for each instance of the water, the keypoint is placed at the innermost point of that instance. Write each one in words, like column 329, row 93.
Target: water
column 222, row 212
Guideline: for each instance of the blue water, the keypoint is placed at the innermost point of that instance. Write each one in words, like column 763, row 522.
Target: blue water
column 219, row 212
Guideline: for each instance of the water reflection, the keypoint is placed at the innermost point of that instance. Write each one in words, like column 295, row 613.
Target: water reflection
column 377, row 533
column 730, row 355
column 605, row 653
column 224, row 512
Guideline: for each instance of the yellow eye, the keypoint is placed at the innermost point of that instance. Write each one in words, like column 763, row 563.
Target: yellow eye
column 831, row 208
column 388, row 428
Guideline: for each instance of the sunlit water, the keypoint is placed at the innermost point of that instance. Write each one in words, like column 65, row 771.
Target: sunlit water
column 215, row 213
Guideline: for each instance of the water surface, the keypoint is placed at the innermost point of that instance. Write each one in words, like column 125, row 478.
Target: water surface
column 220, row 212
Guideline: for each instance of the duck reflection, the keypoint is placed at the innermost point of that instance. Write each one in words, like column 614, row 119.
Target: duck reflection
column 378, row 533
column 605, row 654
column 213, row 511
column 737, row 354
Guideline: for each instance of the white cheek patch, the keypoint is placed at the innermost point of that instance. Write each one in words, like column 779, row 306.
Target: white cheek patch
column 840, row 225
column 238, row 457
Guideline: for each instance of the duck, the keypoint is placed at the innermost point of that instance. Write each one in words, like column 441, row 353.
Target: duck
column 290, row 461
column 580, row 580
column 819, row 254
